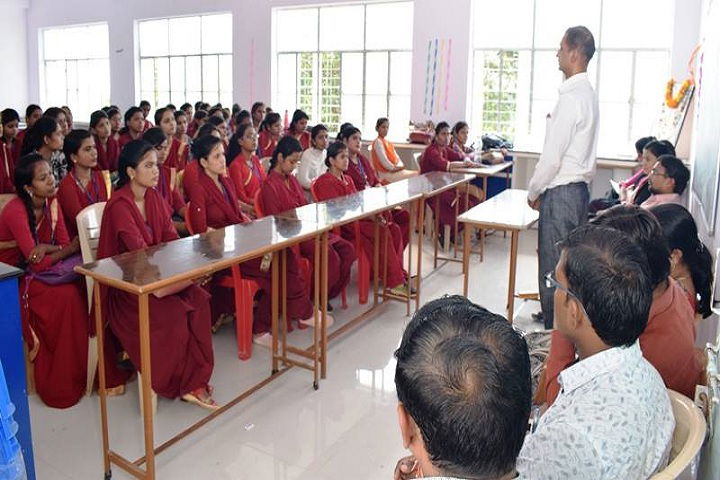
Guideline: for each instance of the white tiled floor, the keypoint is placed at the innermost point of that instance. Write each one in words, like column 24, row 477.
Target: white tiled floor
column 347, row 429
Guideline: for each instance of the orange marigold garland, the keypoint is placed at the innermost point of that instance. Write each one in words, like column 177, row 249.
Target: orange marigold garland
column 674, row 101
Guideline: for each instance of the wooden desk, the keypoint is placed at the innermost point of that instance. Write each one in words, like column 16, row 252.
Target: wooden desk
column 143, row 272
column 507, row 211
column 486, row 171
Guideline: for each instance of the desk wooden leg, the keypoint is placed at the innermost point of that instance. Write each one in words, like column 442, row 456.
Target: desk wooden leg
column 145, row 359
column 468, row 229
column 421, row 218
column 513, row 268
column 385, row 241
column 284, row 316
column 317, row 311
column 101, row 379
column 457, row 213
column 376, row 261
column 411, row 229
column 436, row 232
column 324, row 302
column 274, row 302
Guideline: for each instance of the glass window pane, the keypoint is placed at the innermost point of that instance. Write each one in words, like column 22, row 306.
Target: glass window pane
column 77, row 42
column 225, row 73
column 286, row 81
column 162, row 75
column 399, row 116
column 162, row 98
column 55, row 82
column 651, row 72
column 53, row 44
column 376, row 73
column 400, row 73
column 341, row 28
column 637, row 24
column 296, row 30
column 210, row 73
column 329, row 87
column 210, row 97
column 550, row 26
column 613, row 136
column 147, row 74
column 389, row 26
column 153, row 37
column 615, row 87
column 193, row 72
column 177, row 97
column 352, row 73
column 375, row 107
column 307, row 83
column 546, row 76
column 351, row 109
column 217, row 33
column 184, row 35
column 97, row 41
column 502, row 23
column 177, row 74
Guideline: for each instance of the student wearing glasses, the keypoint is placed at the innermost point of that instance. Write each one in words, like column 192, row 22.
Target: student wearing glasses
column 667, row 180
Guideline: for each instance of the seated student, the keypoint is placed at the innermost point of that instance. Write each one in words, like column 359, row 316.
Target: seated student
column 134, row 126
column 387, row 163
column 136, row 218
column 167, row 185
column 116, row 120
column 181, row 119
column 281, row 192
column 691, row 264
column 10, row 120
column 612, row 198
column 54, row 316
column 298, row 128
column 257, row 111
column 59, row 115
column 668, row 179
column 334, row 183
column 187, row 109
column 199, row 119
column 32, row 114
column 641, row 192
column 243, row 117
column 46, row 138
column 7, row 168
column 232, row 125
column 221, row 125
column 312, row 162
column 269, row 135
column 68, row 117
column 146, row 107
column 84, row 184
column 668, row 340
column 459, row 137
column 190, row 174
column 613, row 418
column 463, row 385
column 165, row 119
column 108, row 149
column 439, row 157
column 245, row 169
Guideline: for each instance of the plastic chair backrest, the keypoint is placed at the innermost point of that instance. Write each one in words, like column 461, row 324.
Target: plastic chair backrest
column 687, row 440
column 88, row 223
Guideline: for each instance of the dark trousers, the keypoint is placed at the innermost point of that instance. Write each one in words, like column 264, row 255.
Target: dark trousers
column 562, row 209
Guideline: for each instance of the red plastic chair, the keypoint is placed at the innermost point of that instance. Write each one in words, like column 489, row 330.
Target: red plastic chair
column 363, row 261
column 244, row 292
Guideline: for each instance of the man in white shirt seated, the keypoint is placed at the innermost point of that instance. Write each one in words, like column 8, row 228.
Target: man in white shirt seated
column 612, row 418
column 463, row 384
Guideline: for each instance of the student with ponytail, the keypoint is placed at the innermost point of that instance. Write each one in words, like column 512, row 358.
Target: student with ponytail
column 270, row 131
column 298, row 128
column 134, row 126
column 245, row 168
column 165, row 120
column 108, row 149
column 54, row 315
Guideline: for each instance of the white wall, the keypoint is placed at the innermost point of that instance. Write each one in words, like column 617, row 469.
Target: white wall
column 13, row 55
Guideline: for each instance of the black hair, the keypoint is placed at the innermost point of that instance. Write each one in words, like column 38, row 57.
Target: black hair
column 112, row 111
column 198, row 105
column 236, row 108
column 185, row 106
column 675, row 169
column 129, row 113
column 73, row 141
column 131, row 156
column 9, row 115
column 343, row 127
column 154, row 136
column 270, row 119
column 580, row 38
column 96, row 116
column 217, row 121
column 380, row 121
column 332, row 151
column 24, row 174
column 315, row 131
column 610, row 276
column 463, row 375
column 35, row 136
column 640, row 143
column 298, row 115
column 54, row 113
column 179, row 113
column 348, row 132
column 202, row 147
column 234, row 148
column 681, row 233
column 144, row 103
column 200, row 114
column 241, row 116
column 643, row 228
column 214, row 110
column 440, row 126
column 286, row 146
column 171, row 107
column 31, row 109
column 159, row 113
column 457, row 127
column 660, row 147
column 206, row 129
column 255, row 106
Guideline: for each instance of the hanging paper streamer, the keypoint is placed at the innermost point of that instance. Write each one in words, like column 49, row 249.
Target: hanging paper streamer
column 435, row 59
column 441, row 76
column 426, row 103
column 447, row 74
column 437, row 76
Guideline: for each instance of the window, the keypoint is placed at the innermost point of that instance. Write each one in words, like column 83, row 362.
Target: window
column 75, row 68
column 515, row 76
column 186, row 59
column 349, row 63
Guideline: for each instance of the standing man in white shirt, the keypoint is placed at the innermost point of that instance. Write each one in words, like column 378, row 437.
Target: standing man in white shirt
column 559, row 186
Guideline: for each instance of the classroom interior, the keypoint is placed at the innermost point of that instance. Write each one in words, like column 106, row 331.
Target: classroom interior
column 487, row 62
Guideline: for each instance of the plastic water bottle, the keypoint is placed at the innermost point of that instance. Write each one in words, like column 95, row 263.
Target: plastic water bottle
column 15, row 470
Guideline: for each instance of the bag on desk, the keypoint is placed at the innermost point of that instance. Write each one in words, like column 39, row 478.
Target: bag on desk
column 492, row 141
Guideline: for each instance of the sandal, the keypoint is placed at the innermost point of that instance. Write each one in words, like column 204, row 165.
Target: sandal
column 201, row 398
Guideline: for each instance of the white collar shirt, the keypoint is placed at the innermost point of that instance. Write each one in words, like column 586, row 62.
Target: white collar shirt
column 611, row 420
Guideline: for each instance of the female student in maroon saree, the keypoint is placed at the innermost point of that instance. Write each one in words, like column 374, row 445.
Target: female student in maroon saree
column 108, row 149
column 281, row 191
column 440, row 157
column 245, row 168
column 7, row 168
column 298, row 129
column 136, row 217
column 55, row 317
column 165, row 119
column 334, row 183
column 167, row 183
column 269, row 136
column 134, row 126
column 84, row 185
